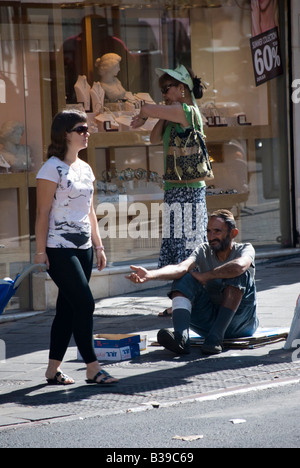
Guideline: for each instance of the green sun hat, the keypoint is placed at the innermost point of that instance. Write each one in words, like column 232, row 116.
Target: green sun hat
column 180, row 74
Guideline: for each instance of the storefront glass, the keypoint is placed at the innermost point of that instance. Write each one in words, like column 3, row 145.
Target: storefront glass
column 15, row 152
column 51, row 57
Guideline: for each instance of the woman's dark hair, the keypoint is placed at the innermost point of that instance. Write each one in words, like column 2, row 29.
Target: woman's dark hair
column 198, row 85
column 63, row 123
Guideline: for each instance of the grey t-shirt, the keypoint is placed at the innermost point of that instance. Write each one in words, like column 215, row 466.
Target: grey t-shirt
column 206, row 260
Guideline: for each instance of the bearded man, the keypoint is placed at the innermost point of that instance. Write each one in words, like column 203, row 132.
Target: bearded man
column 213, row 292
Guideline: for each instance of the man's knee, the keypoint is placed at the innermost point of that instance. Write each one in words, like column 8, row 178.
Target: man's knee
column 232, row 297
column 186, row 286
column 176, row 294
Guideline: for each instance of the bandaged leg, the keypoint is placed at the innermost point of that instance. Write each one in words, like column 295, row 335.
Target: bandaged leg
column 178, row 341
column 182, row 308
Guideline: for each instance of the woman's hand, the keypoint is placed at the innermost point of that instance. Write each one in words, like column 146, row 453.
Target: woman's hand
column 41, row 258
column 138, row 121
column 101, row 259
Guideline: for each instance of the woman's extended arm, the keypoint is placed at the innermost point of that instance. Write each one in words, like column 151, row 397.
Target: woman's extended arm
column 173, row 113
column 45, row 194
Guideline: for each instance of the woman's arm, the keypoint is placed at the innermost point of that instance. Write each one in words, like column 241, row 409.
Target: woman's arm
column 45, row 193
column 173, row 113
column 157, row 132
column 156, row 136
column 96, row 240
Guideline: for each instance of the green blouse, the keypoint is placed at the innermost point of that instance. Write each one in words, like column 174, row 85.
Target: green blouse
column 166, row 137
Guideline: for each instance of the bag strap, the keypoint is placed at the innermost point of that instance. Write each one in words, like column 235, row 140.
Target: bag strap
column 201, row 138
column 196, row 129
column 195, row 119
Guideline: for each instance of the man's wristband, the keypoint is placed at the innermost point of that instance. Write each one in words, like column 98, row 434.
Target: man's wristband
column 99, row 247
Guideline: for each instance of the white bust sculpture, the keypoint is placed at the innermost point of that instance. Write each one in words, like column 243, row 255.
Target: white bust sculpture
column 108, row 67
column 14, row 153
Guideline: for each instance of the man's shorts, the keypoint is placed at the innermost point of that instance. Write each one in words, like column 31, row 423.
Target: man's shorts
column 204, row 310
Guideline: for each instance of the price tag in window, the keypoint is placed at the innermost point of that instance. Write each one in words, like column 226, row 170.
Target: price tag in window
column 266, row 56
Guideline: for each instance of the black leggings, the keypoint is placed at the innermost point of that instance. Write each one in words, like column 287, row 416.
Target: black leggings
column 71, row 270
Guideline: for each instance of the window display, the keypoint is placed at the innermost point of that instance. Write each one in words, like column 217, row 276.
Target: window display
column 82, row 91
column 237, row 115
column 108, row 67
column 102, row 57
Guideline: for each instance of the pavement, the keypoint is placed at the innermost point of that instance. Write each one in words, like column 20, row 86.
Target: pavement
column 157, row 378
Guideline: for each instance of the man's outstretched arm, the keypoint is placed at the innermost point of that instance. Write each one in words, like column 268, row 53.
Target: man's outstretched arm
column 167, row 273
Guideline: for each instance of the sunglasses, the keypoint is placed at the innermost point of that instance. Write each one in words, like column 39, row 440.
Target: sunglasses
column 81, row 130
column 166, row 88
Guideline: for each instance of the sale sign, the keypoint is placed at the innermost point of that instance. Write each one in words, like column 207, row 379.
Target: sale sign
column 266, row 56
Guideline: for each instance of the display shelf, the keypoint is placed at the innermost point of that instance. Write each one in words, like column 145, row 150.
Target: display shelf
column 240, row 132
column 142, row 138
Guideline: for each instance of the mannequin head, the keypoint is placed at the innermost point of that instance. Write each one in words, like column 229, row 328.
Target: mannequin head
column 108, row 67
column 11, row 131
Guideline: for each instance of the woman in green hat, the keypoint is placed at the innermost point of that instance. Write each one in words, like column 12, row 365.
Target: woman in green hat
column 184, row 200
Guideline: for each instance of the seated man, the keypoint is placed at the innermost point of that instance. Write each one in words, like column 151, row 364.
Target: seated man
column 219, row 300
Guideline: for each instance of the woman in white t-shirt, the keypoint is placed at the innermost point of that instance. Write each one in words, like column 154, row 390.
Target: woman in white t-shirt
column 66, row 231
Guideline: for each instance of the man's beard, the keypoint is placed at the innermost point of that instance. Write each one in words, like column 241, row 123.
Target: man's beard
column 220, row 245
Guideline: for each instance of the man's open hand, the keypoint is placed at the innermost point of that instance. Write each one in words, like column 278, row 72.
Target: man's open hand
column 138, row 275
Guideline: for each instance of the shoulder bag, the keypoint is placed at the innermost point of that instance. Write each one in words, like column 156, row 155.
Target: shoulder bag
column 187, row 159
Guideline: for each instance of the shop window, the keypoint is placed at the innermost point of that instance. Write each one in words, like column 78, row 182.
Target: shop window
column 14, row 154
column 245, row 124
column 143, row 38
column 242, row 121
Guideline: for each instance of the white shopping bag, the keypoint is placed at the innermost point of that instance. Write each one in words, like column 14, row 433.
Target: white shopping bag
column 294, row 334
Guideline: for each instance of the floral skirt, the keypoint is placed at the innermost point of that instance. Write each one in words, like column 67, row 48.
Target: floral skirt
column 184, row 224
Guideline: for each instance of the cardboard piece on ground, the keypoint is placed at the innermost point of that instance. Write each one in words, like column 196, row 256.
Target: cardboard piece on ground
column 261, row 337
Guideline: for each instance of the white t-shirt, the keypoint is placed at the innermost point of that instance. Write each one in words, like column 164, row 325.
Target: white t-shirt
column 69, row 223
